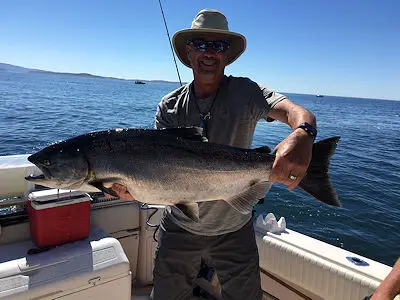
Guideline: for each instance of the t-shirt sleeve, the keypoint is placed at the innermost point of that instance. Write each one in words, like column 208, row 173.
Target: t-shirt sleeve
column 166, row 116
column 269, row 98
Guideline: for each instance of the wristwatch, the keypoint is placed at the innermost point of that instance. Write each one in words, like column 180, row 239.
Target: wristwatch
column 311, row 131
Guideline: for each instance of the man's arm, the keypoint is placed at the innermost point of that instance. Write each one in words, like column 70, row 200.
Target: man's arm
column 390, row 286
column 293, row 154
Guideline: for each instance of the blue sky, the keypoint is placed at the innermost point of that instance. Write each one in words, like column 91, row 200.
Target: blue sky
column 347, row 48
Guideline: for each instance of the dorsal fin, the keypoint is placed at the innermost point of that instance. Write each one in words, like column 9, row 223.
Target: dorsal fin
column 189, row 133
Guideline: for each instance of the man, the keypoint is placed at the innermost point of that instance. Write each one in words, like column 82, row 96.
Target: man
column 228, row 108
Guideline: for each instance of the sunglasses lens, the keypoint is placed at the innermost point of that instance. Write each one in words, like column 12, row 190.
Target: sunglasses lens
column 198, row 44
column 220, row 46
column 203, row 46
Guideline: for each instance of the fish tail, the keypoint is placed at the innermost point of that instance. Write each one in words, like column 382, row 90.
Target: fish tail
column 316, row 182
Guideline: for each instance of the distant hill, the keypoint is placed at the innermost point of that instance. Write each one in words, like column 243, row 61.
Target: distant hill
column 17, row 69
column 12, row 68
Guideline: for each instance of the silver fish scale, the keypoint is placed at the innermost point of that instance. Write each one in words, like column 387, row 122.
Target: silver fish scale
column 184, row 171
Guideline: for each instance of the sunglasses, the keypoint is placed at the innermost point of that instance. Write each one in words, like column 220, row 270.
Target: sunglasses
column 203, row 46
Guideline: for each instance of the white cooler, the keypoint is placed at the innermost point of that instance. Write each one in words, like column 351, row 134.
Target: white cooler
column 95, row 268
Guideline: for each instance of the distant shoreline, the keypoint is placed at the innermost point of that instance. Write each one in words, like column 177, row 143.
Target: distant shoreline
column 18, row 69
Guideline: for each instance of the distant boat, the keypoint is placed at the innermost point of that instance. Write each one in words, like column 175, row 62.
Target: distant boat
column 319, row 95
column 139, row 82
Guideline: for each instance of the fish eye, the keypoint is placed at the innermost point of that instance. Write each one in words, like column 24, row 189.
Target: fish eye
column 46, row 162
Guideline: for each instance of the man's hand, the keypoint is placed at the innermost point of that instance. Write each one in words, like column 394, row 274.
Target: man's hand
column 293, row 155
column 122, row 192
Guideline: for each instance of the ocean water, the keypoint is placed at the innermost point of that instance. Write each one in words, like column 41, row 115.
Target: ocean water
column 39, row 109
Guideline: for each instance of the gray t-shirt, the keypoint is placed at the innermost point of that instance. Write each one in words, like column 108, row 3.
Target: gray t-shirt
column 234, row 112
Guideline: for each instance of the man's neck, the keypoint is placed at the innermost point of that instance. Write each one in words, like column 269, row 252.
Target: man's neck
column 204, row 89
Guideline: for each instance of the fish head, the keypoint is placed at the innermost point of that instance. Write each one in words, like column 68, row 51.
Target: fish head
column 63, row 166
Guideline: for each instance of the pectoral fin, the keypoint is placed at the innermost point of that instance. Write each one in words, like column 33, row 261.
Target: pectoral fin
column 245, row 201
column 191, row 210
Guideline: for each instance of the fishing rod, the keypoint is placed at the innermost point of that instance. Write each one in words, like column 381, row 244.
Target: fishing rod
column 144, row 206
column 169, row 39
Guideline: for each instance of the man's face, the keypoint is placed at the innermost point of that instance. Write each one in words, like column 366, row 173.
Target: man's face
column 208, row 64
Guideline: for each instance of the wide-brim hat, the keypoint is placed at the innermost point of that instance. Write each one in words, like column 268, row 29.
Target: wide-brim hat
column 207, row 22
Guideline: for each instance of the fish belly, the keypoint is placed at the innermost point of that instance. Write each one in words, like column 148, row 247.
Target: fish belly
column 191, row 187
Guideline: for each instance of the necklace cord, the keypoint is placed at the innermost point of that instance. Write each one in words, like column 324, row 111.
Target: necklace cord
column 205, row 116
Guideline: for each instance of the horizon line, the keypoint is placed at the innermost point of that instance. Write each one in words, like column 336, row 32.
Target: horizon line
column 167, row 81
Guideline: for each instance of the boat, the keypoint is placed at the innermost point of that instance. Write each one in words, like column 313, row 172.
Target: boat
column 139, row 82
column 117, row 258
column 320, row 96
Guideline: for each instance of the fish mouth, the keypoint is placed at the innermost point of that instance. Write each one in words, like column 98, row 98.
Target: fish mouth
column 35, row 159
column 41, row 180
column 44, row 179
column 34, row 178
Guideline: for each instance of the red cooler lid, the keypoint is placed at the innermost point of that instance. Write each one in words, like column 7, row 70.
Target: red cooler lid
column 54, row 198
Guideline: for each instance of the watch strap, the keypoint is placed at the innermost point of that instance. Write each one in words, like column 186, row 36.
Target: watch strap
column 311, row 131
